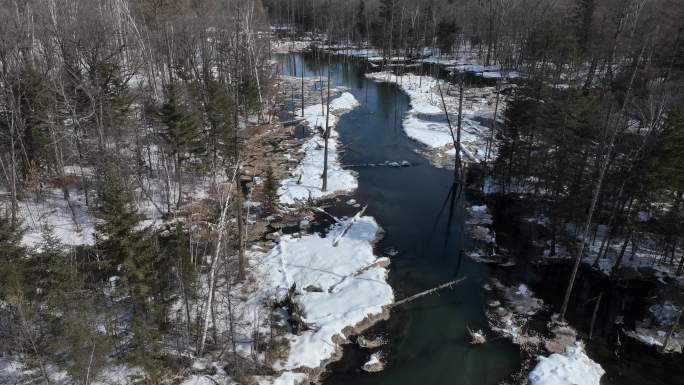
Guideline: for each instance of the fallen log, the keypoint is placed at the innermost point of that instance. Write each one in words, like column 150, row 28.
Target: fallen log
column 292, row 122
column 429, row 291
column 349, row 225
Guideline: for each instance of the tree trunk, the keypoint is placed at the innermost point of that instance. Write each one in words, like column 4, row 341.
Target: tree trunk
column 242, row 262
column 326, row 136
column 596, row 193
column 672, row 330
column 490, row 141
column 302, row 72
column 593, row 315
column 618, row 261
column 221, row 229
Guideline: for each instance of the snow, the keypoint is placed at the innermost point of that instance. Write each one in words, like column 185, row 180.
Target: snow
column 73, row 221
column 510, row 318
column 350, row 281
column 573, row 367
column 287, row 378
column 286, row 46
column 479, row 215
column 118, row 375
column 644, row 337
column 14, row 371
column 644, row 255
column 374, row 363
column 664, row 314
column 653, row 329
column 374, row 359
column 11, row 371
column 53, row 211
column 426, row 123
column 465, row 60
column 523, row 290
column 198, row 380
column 337, row 289
column 306, row 181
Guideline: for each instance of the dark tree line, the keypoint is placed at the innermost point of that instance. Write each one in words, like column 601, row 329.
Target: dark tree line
column 605, row 97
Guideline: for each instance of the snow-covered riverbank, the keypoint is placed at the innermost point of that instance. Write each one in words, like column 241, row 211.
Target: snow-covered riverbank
column 426, row 121
column 322, row 287
column 338, row 287
column 306, row 181
column 513, row 307
column 316, row 289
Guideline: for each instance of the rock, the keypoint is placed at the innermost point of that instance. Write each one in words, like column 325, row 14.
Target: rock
column 273, row 236
column 200, row 365
column 313, row 289
column 477, row 337
column 563, row 336
column 374, row 364
column 368, row 343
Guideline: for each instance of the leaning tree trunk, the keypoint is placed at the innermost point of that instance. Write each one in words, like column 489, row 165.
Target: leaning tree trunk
column 681, row 265
column 596, row 193
column 220, row 229
column 455, row 138
column 672, row 330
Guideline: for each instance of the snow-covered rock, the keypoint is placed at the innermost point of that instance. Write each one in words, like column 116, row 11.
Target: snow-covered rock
column 573, row 367
column 374, row 364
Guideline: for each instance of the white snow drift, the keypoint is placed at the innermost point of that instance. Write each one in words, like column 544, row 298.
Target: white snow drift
column 306, row 181
column 573, row 367
column 336, row 287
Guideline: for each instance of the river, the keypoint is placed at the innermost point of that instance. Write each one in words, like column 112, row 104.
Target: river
column 427, row 339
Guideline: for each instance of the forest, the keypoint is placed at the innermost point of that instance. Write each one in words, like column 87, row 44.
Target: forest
column 201, row 192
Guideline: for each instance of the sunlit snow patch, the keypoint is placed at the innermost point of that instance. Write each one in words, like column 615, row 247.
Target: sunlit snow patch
column 337, row 288
column 573, row 367
column 306, row 181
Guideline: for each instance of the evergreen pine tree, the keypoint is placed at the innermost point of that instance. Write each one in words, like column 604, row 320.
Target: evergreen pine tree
column 183, row 278
column 10, row 238
column 132, row 255
column 180, row 132
column 361, row 20
column 50, row 269
column 270, row 188
column 220, row 109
